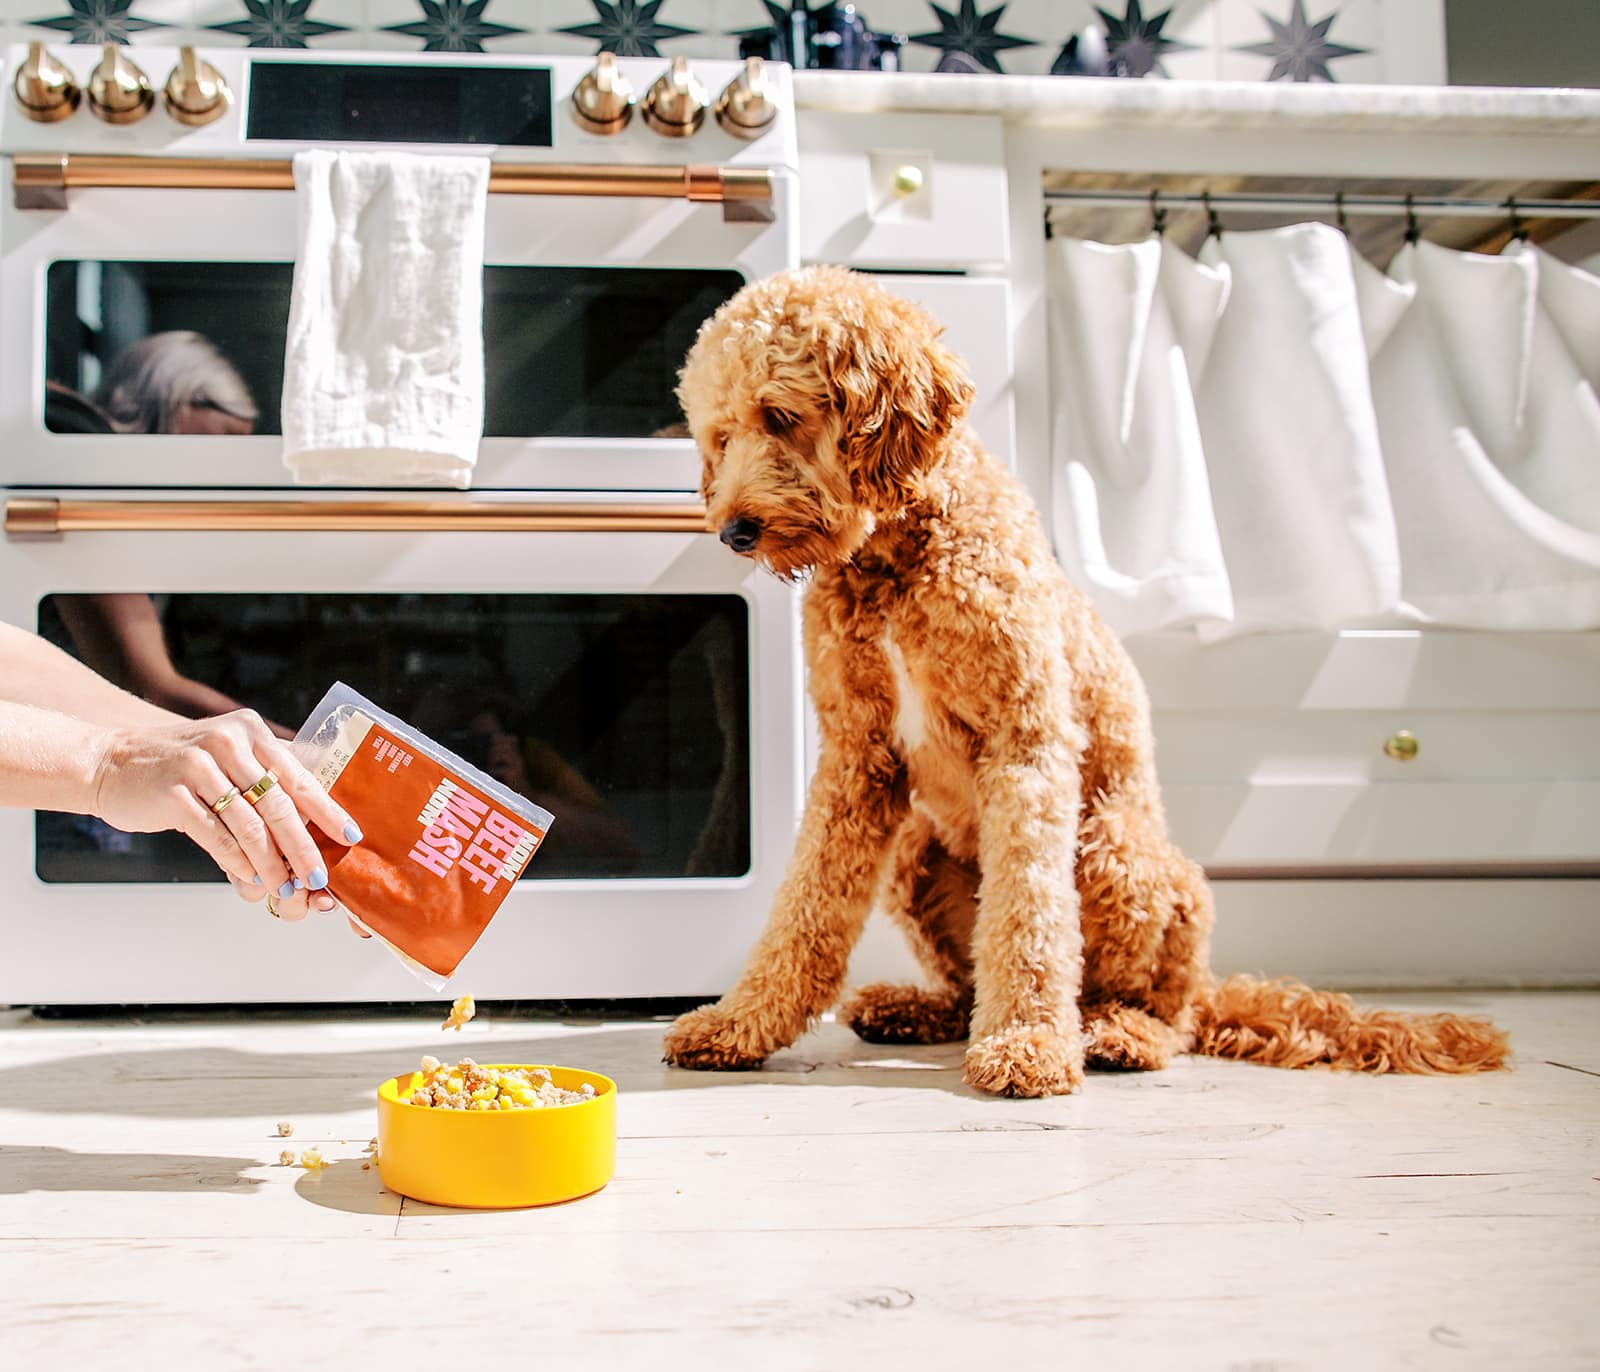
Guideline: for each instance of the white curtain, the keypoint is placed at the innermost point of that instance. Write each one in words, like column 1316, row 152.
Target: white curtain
column 1491, row 435
column 1280, row 436
column 1131, row 327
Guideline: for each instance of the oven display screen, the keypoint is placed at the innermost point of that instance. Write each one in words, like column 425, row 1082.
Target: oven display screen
column 324, row 102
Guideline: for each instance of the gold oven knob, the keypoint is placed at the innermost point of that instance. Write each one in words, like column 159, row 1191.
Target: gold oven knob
column 746, row 108
column 602, row 102
column 119, row 92
column 1401, row 745
column 675, row 106
column 195, row 92
column 44, row 87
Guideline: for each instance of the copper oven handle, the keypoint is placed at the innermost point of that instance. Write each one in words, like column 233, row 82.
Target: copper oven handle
column 30, row 515
column 42, row 180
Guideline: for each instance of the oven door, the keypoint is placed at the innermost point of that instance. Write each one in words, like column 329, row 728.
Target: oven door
column 642, row 685
column 590, row 306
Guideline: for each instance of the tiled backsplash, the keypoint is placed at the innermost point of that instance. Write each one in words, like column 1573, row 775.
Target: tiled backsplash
column 1240, row 40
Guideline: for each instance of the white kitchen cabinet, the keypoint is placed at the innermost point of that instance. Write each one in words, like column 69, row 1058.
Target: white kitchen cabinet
column 976, row 315
column 902, row 190
column 1374, row 753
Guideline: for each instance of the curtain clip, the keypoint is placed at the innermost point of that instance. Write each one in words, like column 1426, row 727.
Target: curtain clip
column 1213, row 224
column 1413, row 229
column 1049, row 228
column 1339, row 216
column 1158, row 215
column 1519, row 226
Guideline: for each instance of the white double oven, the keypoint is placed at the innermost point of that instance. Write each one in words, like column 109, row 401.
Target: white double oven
column 566, row 624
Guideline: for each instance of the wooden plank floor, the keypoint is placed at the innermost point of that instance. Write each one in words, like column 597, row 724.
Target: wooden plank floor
column 848, row 1207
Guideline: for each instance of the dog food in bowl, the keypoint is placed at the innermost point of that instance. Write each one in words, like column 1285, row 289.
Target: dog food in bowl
column 467, row 1086
column 442, row 1138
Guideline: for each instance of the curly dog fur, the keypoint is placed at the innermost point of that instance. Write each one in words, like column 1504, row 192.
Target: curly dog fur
column 987, row 770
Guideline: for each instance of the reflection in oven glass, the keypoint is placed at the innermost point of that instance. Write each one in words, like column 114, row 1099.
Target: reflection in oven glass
column 626, row 716
column 197, row 347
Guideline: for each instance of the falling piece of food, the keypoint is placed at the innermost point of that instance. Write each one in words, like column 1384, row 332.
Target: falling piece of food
column 284, row 1129
column 286, row 1158
column 460, row 1013
column 312, row 1160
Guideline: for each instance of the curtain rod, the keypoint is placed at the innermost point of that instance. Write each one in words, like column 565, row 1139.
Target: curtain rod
column 1269, row 203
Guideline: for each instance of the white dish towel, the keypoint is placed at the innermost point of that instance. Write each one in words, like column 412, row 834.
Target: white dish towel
column 383, row 373
column 1130, row 327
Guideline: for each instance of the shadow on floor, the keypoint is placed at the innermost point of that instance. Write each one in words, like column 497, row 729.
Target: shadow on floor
column 209, row 1082
column 30, row 1168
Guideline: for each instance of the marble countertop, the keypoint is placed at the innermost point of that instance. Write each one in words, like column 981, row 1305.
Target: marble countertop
column 1091, row 103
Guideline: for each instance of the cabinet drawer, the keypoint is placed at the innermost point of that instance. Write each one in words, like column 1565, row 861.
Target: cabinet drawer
column 907, row 190
column 1285, row 754
column 976, row 314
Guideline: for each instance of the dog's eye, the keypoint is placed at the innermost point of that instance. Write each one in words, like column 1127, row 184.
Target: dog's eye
column 778, row 422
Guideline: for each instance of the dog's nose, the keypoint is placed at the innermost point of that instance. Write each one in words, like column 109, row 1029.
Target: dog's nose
column 740, row 534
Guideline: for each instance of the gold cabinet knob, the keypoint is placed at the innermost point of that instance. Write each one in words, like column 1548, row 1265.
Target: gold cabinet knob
column 44, row 87
column 195, row 92
column 119, row 92
column 1401, row 745
column 675, row 106
column 602, row 102
column 746, row 107
column 907, row 179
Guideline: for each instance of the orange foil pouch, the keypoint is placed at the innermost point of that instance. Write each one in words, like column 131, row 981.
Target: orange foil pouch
column 442, row 843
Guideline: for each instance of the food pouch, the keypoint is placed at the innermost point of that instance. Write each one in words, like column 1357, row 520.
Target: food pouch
column 442, row 843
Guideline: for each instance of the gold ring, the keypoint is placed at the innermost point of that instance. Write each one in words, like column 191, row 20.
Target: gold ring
column 224, row 800
column 254, row 794
column 272, row 910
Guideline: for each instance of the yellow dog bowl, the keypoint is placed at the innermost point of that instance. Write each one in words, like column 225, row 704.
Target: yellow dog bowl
column 497, row 1158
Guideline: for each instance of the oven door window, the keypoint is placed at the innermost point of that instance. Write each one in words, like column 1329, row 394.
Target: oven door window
column 197, row 347
column 626, row 716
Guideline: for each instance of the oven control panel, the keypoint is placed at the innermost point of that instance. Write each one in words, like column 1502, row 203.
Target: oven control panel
column 216, row 102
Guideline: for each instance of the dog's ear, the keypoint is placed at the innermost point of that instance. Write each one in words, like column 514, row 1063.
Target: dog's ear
column 901, row 392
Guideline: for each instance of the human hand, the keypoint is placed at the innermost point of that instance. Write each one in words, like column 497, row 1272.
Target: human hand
column 158, row 777
column 295, row 906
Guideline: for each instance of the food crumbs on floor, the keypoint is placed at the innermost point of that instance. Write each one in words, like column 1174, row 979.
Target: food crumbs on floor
column 312, row 1160
column 467, row 1086
column 286, row 1158
column 372, row 1145
column 366, row 1167
column 285, row 1128
column 460, row 1013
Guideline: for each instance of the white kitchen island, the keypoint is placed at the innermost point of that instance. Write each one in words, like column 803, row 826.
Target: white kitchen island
column 1477, row 859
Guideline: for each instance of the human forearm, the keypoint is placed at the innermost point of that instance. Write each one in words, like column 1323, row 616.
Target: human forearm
column 48, row 760
column 35, row 672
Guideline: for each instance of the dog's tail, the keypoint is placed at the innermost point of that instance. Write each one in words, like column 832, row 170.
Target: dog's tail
column 1285, row 1024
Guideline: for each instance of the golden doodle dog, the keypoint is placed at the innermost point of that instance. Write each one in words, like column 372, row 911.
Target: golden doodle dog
column 987, row 770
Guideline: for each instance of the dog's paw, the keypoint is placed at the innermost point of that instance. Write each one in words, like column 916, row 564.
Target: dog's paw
column 712, row 1039
column 906, row 1014
column 1026, row 1060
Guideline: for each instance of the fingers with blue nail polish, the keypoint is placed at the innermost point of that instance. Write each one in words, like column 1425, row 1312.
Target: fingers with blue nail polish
column 287, row 889
column 318, row 879
column 352, row 832
column 258, row 878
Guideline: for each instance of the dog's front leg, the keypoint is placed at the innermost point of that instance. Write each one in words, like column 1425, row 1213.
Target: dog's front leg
column 857, row 799
column 1026, row 1038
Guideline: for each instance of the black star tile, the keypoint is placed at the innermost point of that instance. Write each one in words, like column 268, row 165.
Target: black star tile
column 98, row 21
column 452, row 26
column 967, row 31
column 626, row 28
column 277, row 24
column 1300, row 50
column 1135, row 45
column 777, row 25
